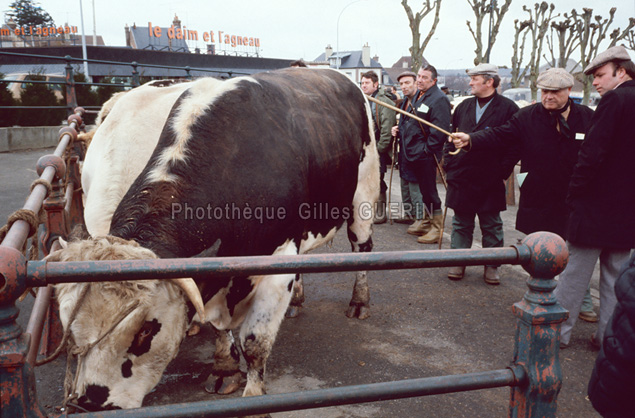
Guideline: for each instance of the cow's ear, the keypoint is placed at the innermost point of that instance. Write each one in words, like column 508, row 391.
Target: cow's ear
column 62, row 242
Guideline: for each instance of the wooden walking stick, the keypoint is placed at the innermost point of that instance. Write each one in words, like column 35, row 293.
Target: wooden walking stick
column 392, row 168
column 441, row 172
column 415, row 117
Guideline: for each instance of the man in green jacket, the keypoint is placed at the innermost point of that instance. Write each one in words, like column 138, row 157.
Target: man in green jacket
column 383, row 120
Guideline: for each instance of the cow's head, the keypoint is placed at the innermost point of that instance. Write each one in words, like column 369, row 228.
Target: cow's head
column 129, row 361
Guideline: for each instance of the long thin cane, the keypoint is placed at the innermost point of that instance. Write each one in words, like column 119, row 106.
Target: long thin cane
column 445, row 208
column 392, row 168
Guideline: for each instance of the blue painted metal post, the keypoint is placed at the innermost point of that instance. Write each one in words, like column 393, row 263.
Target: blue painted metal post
column 538, row 329
column 17, row 381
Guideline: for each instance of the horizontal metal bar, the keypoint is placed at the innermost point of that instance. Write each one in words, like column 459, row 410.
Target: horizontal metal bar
column 33, row 82
column 320, row 398
column 41, row 273
column 128, row 64
column 34, row 107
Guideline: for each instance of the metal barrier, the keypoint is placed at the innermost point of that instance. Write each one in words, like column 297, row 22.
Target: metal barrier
column 70, row 83
column 534, row 376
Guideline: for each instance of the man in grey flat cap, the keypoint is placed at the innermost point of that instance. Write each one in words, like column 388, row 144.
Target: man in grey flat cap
column 601, row 198
column 546, row 138
column 476, row 179
column 420, row 148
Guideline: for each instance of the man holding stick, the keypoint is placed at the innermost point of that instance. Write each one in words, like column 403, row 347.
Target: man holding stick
column 476, row 179
column 420, row 149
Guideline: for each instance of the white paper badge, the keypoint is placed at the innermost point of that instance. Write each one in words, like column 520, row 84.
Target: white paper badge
column 579, row 136
column 521, row 178
column 423, row 108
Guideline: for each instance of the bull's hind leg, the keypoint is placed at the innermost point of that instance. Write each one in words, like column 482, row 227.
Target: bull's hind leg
column 226, row 376
column 360, row 226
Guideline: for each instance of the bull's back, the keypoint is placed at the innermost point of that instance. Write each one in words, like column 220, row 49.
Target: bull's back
column 286, row 143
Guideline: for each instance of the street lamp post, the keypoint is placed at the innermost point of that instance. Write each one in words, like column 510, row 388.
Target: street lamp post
column 337, row 44
column 81, row 12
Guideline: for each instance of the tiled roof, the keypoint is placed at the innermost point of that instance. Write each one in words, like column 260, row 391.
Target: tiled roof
column 350, row 59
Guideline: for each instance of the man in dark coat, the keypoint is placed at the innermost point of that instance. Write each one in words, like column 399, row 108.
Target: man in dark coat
column 612, row 385
column 546, row 138
column 601, row 195
column 476, row 179
column 383, row 121
column 421, row 147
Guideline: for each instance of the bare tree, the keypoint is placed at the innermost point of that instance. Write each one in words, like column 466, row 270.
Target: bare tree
column 630, row 39
column 414, row 19
column 540, row 18
column 520, row 28
column 628, row 34
column 591, row 31
column 481, row 9
column 564, row 33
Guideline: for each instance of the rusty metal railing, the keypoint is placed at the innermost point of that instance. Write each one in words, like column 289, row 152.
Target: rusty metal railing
column 534, row 376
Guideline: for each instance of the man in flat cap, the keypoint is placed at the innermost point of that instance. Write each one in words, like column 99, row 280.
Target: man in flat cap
column 476, row 184
column 546, row 138
column 421, row 147
column 601, row 195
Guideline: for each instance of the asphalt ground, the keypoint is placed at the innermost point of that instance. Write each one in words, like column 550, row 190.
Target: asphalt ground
column 421, row 325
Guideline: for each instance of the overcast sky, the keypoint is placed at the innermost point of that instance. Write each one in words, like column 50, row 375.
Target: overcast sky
column 302, row 29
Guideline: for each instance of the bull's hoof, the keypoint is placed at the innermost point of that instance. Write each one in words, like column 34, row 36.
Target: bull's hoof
column 358, row 311
column 223, row 385
column 293, row 311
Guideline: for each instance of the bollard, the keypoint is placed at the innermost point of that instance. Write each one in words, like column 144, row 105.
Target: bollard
column 539, row 317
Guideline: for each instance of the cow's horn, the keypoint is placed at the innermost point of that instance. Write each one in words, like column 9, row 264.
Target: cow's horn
column 192, row 292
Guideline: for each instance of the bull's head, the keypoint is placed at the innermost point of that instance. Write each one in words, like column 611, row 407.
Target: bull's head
column 149, row 319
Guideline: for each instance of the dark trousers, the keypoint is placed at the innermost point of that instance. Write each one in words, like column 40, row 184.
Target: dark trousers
column 426, row 173
column 463, row 229
column 384, row 159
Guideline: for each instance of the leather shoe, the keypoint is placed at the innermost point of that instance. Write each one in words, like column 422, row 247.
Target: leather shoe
column 405, row 220
column 456, row 273
column 588, row 316
column 491, row 275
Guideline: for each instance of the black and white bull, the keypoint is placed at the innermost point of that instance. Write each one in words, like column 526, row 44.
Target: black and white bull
column 269, row 164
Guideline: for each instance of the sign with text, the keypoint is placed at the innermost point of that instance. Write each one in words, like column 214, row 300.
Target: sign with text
column 40, row 31
column 220, row 37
